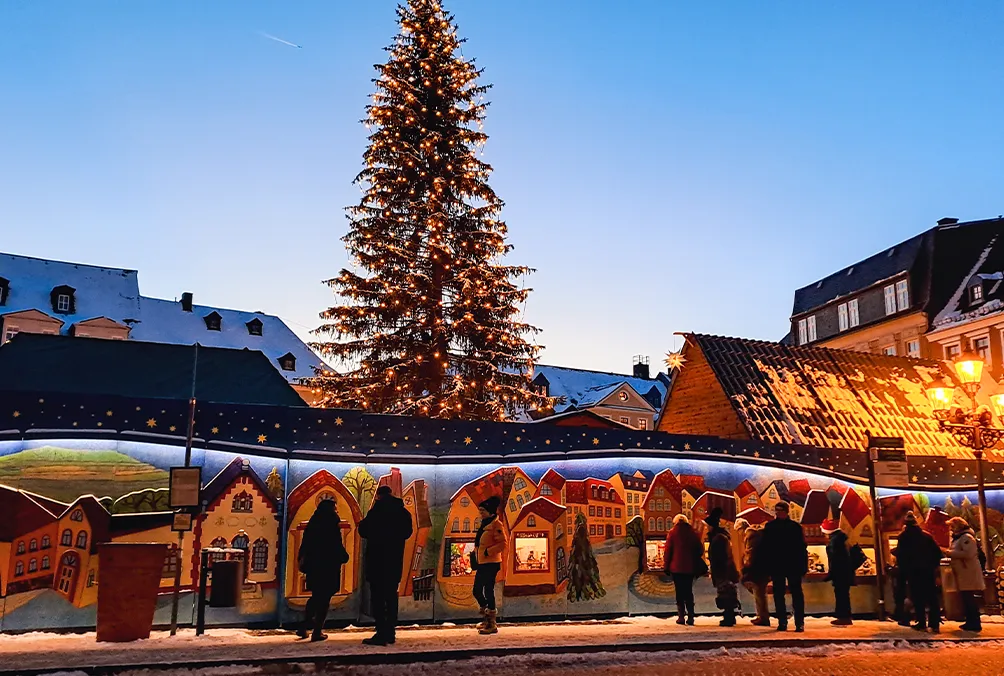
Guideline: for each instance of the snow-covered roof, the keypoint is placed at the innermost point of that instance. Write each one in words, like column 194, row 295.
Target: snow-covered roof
column 107, row 292
column 582, row 389
column 165, row 321
column 114, row 293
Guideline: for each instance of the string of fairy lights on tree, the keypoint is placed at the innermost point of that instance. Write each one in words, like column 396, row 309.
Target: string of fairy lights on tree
column 429, row 322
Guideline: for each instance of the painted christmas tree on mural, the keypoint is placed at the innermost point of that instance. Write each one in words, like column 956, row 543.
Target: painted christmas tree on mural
column 583, row 572
column 428, row 320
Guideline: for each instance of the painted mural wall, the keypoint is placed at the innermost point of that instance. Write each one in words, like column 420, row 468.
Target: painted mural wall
column 586, row 536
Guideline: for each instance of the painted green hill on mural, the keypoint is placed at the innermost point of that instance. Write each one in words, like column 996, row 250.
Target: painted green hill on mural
column 64, row 474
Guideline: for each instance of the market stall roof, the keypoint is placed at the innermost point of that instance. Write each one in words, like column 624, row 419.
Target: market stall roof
column 131, row 368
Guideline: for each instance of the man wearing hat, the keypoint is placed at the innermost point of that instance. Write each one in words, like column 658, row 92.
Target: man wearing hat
column 723, row 568
column 841, row 571
column 787, row 556
column 917, row 559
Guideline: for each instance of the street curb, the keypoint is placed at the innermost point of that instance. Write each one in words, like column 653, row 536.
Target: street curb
column 295, row 664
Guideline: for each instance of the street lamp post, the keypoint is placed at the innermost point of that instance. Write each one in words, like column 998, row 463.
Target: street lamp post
column 973, row 428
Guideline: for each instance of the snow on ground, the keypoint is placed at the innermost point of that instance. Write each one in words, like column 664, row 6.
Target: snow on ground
column 61, row 651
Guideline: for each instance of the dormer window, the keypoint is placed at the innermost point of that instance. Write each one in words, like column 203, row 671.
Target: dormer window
column 4, row 290
column 254, row 327
column 976, row 293
column 62, row 299
column 287, row 362
column 214, row 322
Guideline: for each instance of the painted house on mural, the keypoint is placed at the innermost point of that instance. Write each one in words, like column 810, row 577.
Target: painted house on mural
column 82, row 527
column 602, row 505
column 688, row 498
column 632, row 400
column 241, row 512
column 416, row 501
column 634, row 487
column 747, row 496
column 303, row 500
column 663, row 501
column 712, row 499
column 537, row 560
column 817, row 509
column 514, row 488
column 831, row 399
column 755, row 516
column 856, row 518
column 28, row 535
column 73, row 299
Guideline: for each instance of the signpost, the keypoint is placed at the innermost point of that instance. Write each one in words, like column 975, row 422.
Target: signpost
column 186, row 487
column 886, row 464
column 185, row 493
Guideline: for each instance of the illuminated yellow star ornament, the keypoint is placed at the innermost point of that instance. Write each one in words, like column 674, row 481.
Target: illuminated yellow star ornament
column 674, row 360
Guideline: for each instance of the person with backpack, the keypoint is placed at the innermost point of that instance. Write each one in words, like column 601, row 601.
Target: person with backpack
column 840, row 570
column 724, row 575
column 683, row 560
column 787, row 560
column 968, row 569
column 917, row 559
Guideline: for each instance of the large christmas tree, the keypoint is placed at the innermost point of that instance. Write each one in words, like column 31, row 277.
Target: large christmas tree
column 429, row 321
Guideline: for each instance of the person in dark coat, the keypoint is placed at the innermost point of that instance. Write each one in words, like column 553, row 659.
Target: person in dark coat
column 839, row 574
column 321, row 558
column 723, row 568
column 386, row 528
column 680, row 561
column 752, row 570
column 918, row 557
column 787, row 559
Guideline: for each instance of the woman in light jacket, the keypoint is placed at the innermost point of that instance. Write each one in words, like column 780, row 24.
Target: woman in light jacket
column 968, row 571
column 489, row 549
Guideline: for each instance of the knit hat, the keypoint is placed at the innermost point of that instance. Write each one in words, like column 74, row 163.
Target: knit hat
column 741, row 524
column 910, row 519
column 491, row 504
column 714, row 519
column 829, row 526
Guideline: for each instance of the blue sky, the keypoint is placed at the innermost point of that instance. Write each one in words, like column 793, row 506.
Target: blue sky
column 667, row 166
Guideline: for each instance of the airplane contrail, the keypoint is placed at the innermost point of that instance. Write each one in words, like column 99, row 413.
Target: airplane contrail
column 272, row 37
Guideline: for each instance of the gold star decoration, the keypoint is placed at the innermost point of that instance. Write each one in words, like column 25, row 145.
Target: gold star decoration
column 109, row 413
column 519, row 438
column 17, row 414
column 262, row 439
column 338, row 421
column 547, row 442
column 277, row 425
column 468, row 440
column 394, row 444
column 674, row 360
column 756, row 454
column 437, row 441
column 151, row 423
column 596, row 442
column 215, row 430
column 915, row 478
column 244, row 429
column 686, row 447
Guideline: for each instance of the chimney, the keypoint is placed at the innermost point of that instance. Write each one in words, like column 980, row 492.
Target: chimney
column 186, row 302
column 947, row 221
column 640, row 367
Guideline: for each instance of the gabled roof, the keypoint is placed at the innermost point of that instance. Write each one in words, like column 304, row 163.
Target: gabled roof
column 498, row 482
column 322, row 478
column 644, row 482
column 579, row 491
column 98, row 518
column 21, row 514
column 421, row 492
column 953, row 306
column 131, row 368
column 756, row 516
column 822, row 397
column 745, row 488
column 668, row 482
column 782, row 490
column 894, row 509
column 711, row 499
column 542, row 507
column 581, row 388
column 854, row 508
column 799, row 487
column 228, row 475
column 583, row 418
column 552, row 479
column 817, row 508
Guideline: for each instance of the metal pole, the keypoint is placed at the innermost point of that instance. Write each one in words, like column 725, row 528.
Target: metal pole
column 200, row 617
column 984, row 539
column 877, row 529
column 190, row 436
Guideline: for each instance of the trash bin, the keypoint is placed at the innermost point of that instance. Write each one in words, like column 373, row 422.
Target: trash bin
column 127, row 590
column 226, row 584
column 952, row 597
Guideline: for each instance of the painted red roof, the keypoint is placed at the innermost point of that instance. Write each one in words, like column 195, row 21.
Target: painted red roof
column 542, row 507
column 894, row 509
column 498, row 483
column 21, row 514
column 745, row 488
column 756, row 516
column 937, row 525
column 817, row 508
column 693, row 480
column 669, row 483
column 575, row 493
column 711, row 499
column 854, row 508
column 552, row 479
column 799, row 487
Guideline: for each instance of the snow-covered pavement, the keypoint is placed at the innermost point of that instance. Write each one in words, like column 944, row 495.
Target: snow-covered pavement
column 48, row 653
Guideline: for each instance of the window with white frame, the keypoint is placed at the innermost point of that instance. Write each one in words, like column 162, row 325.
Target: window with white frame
column 890, row 300
column 889, row 350
column 842, row 324
column 9, row 334
column 952, row 351
column 976, row 294
column 902, row 295
column 913, row 348
column 853, row 318
column 810, row 327
column 981, row 346
column 803, row 336
column 63, row 302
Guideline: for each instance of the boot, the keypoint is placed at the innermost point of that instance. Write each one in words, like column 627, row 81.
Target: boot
column 490, row 626
column 483, row 612
column 842, row 622
column 680, row 613
column 728, row 621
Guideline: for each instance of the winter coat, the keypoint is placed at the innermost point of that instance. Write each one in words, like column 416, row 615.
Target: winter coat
column 723, row 566
column 490, row 541
column 840, row 572
column 966, row 562
column 784, row 547
column 917, row 554
column 385, row 528
column 754, row 568
column 322, row 554
column 683, row 548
